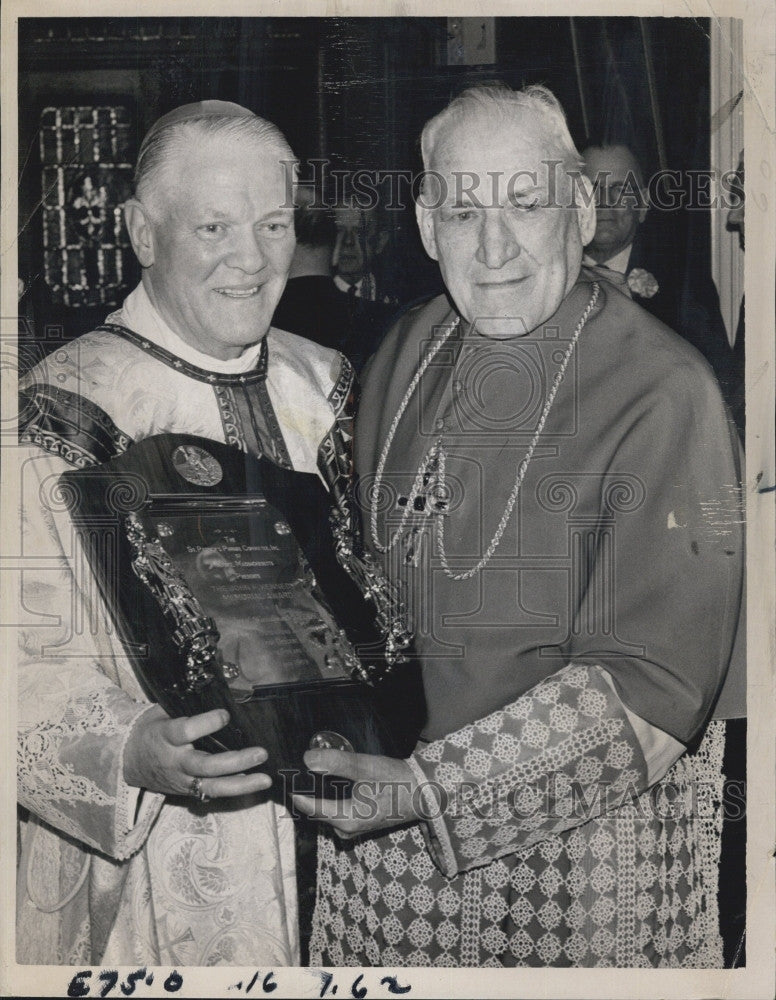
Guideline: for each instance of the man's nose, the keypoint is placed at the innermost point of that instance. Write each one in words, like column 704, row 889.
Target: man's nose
column 247, row 252
column 498, row 243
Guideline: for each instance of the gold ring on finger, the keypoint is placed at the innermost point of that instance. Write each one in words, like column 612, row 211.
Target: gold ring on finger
column 195, row 790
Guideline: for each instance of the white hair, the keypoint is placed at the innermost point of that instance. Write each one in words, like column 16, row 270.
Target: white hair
column 499, row 99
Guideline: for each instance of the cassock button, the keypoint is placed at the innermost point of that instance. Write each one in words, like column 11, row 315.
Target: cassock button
column 439, row 425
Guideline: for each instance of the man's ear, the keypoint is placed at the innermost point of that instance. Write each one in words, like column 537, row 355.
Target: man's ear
column 426, row 227
column 585, row 209
column 140, row 231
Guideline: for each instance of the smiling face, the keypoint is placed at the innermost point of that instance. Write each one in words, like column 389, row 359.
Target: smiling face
column 215, row 243
column 508, row 242
column 620, row 210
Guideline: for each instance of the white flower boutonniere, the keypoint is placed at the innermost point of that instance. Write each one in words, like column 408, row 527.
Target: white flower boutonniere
column 642, row 283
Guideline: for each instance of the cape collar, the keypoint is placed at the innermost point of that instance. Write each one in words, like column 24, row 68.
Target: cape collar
column 258, row 374
column 139, row 322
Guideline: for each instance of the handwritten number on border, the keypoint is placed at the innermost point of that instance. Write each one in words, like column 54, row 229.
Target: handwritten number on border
column 110, row 977
column 77, row 986
column 393, row 985
column 173, row 982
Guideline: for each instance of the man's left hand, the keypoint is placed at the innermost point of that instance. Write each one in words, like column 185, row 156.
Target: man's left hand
column 385, row 792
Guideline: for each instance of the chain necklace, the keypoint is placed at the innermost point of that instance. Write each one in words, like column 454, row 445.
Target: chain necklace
column 434, row 462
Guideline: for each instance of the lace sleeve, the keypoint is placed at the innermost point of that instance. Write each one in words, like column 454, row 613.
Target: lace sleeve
column 556, row 757
column 74, row 716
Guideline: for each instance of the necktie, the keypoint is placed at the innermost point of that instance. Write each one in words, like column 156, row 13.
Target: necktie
column 615, row 278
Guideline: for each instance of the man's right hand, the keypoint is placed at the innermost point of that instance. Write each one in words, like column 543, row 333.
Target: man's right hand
column 160, row 756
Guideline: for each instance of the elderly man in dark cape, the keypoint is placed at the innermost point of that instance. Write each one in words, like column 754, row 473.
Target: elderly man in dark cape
column 550, row 472
column 120, row 864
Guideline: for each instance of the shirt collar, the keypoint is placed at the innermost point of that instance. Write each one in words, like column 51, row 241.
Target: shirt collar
column 617, row 263
column 346, row 286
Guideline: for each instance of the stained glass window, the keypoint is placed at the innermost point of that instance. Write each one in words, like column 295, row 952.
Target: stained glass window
column 87, row 176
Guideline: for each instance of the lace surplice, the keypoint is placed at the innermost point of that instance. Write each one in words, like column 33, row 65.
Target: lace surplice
column 543, row 848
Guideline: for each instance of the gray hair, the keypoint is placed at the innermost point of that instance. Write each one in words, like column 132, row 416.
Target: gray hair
column 160, row 148
column 497, row 98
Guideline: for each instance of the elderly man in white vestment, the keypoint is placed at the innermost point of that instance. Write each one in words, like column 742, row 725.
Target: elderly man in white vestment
column 119, row 861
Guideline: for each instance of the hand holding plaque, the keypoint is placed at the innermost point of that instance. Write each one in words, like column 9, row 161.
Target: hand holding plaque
column 160, row 756
column 388, row 793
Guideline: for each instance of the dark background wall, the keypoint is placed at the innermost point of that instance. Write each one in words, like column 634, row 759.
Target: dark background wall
column 354, row 90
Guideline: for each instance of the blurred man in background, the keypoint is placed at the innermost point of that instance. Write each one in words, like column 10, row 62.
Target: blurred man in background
column 635, row 245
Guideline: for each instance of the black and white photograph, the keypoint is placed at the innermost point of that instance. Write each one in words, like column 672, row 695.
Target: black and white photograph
column 387, row 511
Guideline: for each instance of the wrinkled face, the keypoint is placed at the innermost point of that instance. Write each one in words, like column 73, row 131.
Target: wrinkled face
column 507, row 238
column 735, row 219
column 221, row 243
column 620, row 209
column 359, row 241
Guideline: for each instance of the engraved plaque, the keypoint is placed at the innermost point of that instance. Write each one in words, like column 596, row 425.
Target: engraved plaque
column 230, row 591
column 255, row 584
